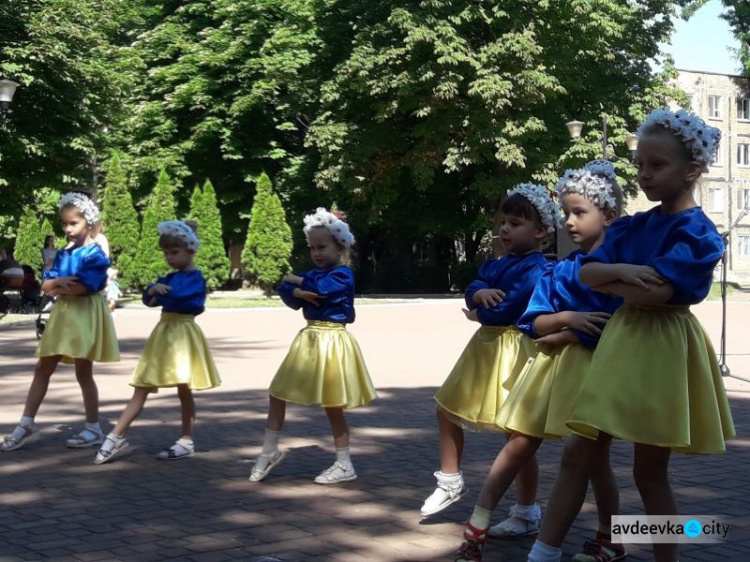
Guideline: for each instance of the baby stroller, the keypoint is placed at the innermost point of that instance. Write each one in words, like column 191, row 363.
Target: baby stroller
column 11, row 279
column 45, row 309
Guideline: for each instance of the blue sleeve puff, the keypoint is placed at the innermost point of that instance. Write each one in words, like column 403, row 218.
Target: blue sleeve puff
column 54, row 271
column 338, row 283
column 187, row 294
column 93, row 272
column 481, row 282
column 517, row 294
column 695, row 249
column 286, row 292
column 539, row 303
column 611, row 250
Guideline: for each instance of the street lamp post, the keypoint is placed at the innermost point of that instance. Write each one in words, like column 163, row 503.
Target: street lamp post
column 576, row 127
column 7, row 90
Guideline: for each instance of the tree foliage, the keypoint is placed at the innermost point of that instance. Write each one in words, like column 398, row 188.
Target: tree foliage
column 211, row 258
column 121, row 221
column 268, row 248
column 29, row 241
column 149, row 262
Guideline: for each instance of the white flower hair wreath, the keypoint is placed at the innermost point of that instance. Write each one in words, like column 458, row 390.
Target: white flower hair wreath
column 541, row 198
column 339, row 229
column 84, row 204
column 700, row 138
column 589, row 184
column 180, row 230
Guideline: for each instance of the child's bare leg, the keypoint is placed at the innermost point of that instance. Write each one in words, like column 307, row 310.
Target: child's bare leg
column 339, row 428
column 39, row 384
column 568, row 495
column 270, row 455
column 527, row 482
column 605, row 487
column 131, row 411
column 509, row 462
column 651, row 476
column 450, row 482
column 187, row 410
column 85, row 377
column 451, row 443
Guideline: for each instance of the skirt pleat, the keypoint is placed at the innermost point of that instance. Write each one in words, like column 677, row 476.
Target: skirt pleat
column 484, row 375
column 324, row 367
column 654, row 379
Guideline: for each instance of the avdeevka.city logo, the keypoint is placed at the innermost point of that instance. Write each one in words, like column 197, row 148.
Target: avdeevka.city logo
column 691, row 529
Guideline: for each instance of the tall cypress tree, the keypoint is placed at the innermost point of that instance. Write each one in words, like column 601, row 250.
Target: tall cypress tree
column 212, row 258
column 121, row 221
column 268, row 248
column 29, row 240
column 149, row 262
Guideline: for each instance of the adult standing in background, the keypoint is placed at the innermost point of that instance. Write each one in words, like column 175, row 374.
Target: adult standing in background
column 49, row 252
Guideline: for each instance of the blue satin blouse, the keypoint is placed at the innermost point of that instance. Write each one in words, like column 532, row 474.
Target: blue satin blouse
column 187, row 293
column 89, row 263
column 682, row 247
column 558, row 290
column 514, row 275
column 337, row 285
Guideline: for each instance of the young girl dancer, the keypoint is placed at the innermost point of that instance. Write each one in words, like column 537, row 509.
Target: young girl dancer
column 80, row 329
column 654, row 379
column 566, row 318
column 176, row 353
column 324, row 366
column 472, row 394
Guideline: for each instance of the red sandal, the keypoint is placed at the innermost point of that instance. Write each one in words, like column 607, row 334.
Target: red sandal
column 471, row 548
column 601, row 549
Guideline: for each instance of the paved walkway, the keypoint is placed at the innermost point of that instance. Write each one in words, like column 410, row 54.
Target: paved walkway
column 57, row 505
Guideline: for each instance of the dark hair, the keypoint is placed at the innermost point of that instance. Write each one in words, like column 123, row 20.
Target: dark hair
column 28, row 270
column 518, row 206
column 48, row 238
column 655, row 129
column 167, row 241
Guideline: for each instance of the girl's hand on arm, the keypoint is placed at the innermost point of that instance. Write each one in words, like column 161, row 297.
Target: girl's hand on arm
column 293, row 279
column 471, row 314
column 159, row 289
column 653, row 294
column 591, row 323
column 594, row 274
column 488, row 297
column 309, row 296
column 563, row 337
column 641, row 276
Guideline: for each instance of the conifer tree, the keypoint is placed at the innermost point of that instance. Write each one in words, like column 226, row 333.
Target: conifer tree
column 211, row 258
column 149, row 262
column 28, row 250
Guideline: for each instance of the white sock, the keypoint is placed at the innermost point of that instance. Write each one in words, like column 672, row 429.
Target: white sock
column 480, row 517
column 541, row 552
column 343, row 456
column 270, row 442
column 20, row 430
column 27, row 421
column 110, row 442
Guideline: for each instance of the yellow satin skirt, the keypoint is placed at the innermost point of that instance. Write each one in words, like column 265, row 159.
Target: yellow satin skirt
column 176, row 353
column 324, row 367
column 541, row 401
column 484, row 375
column 80, row 328
column 654, row 379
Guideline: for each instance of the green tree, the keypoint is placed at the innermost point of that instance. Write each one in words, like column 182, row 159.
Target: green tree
column 149, row 262
column 28, row 249
column 268, row 248
column 121, row 221
column 212, row 257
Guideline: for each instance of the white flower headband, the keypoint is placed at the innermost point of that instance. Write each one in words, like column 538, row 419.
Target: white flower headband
column 541, row 198
column 339, row 229
column 84, row 204
column 701, row 139
column 589, row 184
column 180, row 230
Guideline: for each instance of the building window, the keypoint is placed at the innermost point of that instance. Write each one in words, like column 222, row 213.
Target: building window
column 714, row 107
column 743, row 197
column 743, row 154
column 744, row 244
column 715, row 200
column 743, row 109
column 718, row 160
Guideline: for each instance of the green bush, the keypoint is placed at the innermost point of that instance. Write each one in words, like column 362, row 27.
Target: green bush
column 121, row 222
column 29, row 240
column 149, row 262
column 265, row 257
column 211, row 258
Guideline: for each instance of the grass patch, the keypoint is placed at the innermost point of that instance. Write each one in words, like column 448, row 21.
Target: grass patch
column 10, row 319
column 715, row 293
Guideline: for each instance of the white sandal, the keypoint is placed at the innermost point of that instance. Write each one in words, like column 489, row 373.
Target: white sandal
column 10, row 443
column 337, row 473
column 181, row 449
column 118, row 445
column 83, row 441
column 256, row 475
